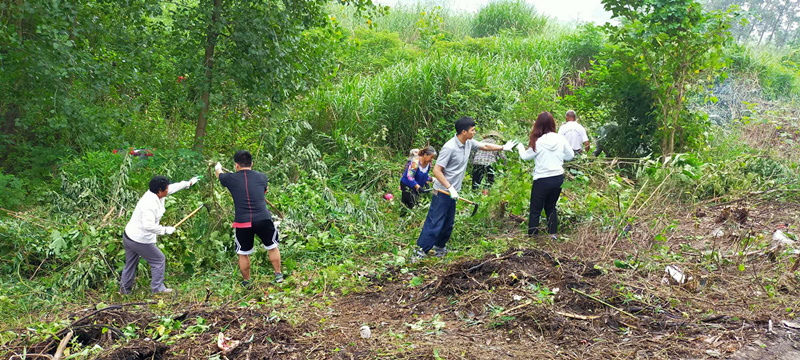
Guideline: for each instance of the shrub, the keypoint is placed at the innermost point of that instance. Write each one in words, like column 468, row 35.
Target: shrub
column 515, row 16
column 13, row 193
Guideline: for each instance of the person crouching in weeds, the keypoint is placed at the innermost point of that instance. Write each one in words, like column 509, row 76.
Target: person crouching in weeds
column 416, row 175
column 550, row 150
column 449, row 174
column 247, row 187
column 139, row 237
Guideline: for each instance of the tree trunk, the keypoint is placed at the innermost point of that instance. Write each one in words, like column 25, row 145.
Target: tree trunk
column 791, row 20
column 208, row 62
column 778, row 21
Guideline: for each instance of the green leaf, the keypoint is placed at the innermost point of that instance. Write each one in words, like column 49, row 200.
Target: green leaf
column 57, row 242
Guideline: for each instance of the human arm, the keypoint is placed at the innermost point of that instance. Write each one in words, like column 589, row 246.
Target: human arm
column 178, row 186
column 149, row 223
column 525, row 154
column 409, row 175
column 494, row 147
column 585, row 139
column 217, row 169
column 569, row 154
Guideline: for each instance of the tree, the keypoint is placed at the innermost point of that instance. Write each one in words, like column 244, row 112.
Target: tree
column 674, row 46
column 264, row 50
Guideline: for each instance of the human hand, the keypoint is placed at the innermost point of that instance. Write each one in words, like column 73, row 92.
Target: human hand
column 453, row 193
column 509, row 145
column 170, row 230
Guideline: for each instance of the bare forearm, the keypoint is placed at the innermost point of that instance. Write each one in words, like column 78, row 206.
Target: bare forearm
column 492, row 147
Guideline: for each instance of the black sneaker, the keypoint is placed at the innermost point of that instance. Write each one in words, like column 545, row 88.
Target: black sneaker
column 246, row 284
column 278, row 278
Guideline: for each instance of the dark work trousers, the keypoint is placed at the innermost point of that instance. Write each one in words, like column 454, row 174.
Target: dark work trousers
column 150, row 253
column 439, row 222
column 479, row 172
column 544, row 194
column 410, row 196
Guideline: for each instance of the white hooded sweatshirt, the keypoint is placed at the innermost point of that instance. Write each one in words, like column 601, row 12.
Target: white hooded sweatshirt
column 552, row 150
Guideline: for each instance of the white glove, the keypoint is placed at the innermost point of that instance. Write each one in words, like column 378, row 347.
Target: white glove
column 169, row 230
column 193, row 180
column 509, row 145
column 521, row 148
column 218, row 167
column 453, row 192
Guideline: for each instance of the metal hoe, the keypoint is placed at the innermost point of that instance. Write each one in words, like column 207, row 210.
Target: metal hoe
column 474, row 209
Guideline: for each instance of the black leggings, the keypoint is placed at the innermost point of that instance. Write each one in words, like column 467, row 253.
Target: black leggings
column 544, row 194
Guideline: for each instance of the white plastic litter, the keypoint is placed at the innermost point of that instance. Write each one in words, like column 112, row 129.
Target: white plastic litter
column 674, row 276
column 365, row 332
column 780, row 238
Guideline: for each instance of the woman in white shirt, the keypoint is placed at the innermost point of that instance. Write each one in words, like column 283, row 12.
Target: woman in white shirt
column 549, row 150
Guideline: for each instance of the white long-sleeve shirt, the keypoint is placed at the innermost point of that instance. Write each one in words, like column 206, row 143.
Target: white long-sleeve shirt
column 145, row 221
column 552, row 150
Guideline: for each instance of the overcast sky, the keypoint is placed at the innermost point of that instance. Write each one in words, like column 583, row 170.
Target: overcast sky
column 562, row 10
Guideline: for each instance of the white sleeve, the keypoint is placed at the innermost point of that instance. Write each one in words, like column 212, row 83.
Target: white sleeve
column 173, row 188
column 149, row 223
column 528, row 154
column 569, row 154
column 584, row 136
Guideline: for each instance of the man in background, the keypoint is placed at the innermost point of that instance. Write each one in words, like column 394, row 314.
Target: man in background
column 575, row 133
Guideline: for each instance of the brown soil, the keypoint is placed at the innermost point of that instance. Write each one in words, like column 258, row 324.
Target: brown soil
column 524, row 303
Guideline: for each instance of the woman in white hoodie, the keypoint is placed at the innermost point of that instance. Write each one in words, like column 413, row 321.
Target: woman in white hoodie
column 549, row 150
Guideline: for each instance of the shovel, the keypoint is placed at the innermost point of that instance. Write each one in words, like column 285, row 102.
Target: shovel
column 474, row 209
column 190, row 215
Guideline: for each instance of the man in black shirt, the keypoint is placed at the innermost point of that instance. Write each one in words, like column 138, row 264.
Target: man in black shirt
column 247, row 187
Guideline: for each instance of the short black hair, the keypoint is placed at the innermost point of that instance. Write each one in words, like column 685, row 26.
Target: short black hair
column 464, row 124
column 158, row 184
column 243, row 158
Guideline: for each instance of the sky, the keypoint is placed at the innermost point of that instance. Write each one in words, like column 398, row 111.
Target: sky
column 562, row 10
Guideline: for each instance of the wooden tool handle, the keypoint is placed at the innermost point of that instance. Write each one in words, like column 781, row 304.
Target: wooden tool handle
column 460, row 198
column 188, row 216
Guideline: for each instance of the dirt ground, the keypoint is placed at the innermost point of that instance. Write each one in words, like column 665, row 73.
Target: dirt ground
column 525, row 303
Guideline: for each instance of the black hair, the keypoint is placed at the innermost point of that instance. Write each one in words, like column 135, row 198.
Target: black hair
column 464, row 124
column 243, row 158
column 158, row 184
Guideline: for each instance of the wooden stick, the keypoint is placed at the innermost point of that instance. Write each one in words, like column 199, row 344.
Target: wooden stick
column 459, row 198
column 577, row 316
column 604, row 303
column 515, row 308
column 62, row 346
column 190, row 215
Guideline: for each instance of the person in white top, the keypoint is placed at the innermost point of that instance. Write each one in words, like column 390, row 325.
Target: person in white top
column 550, row 150
column 139, row 238
column 575, row 133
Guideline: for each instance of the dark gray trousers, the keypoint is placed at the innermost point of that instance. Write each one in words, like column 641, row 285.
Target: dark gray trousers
column 154, row 257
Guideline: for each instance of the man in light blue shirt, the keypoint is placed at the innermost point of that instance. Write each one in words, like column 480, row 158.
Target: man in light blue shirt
column 449, row 174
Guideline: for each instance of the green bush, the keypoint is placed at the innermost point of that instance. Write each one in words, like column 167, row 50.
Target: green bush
column 583, row 45
column 13, row 193
column 515, row 16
